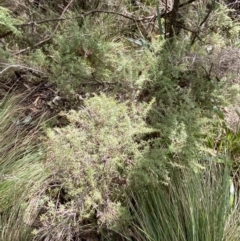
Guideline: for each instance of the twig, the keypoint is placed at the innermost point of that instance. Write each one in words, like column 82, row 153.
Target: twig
column 208, row 14
column 208, row 73
column 110, row 12
column 40, row 22
column 58, row 20
column 85, row 14
column 17, row 66
column 204, row 20
column 35, row 45
column 63, row 12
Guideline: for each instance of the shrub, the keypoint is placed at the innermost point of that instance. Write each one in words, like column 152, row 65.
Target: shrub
column 90, row 160
column 7, row 22
column 92, row 61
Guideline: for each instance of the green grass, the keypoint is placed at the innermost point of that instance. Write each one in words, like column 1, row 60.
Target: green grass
column 194, row 207
column 21, row 170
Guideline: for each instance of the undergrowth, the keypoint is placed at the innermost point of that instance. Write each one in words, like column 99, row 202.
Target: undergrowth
column 21, row 169
column 135, row 111
column 194, row 206
column 91, row 159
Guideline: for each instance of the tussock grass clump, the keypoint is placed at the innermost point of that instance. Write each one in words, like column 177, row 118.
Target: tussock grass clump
column 21, row 170
column 194, row 206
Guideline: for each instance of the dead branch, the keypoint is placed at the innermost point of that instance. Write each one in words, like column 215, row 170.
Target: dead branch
column 34, row 46
column 16, row 66
column 204, row 20
column 63, row 12
column 83, row 15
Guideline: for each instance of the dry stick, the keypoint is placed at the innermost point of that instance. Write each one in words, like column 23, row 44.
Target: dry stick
column 99, row 11
column 85, row 14
column 63, row 12
column 17, row 66
column 204, row 20
column 110, row 12
column 208, row 14
column 34, row 46
column 62, row 19
column 191, row 31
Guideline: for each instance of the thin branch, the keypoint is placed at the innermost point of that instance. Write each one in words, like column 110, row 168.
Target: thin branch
column 208, row 14
column 40, row 22
column 17, row 66
column 110, row 12
column 82, row 15
column 204, row 20
column 91, row 12
column 58, row 20
column 63, row 12
column 34, row 46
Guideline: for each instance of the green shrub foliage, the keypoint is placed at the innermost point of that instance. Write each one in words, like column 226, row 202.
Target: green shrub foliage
column 91, row 159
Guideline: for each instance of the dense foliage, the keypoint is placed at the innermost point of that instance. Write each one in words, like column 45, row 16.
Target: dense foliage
column 119, row 120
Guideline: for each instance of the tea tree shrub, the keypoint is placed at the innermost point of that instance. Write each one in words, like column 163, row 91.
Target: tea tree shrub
column 7, row 22
column 92, row 61
column 90, row 160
